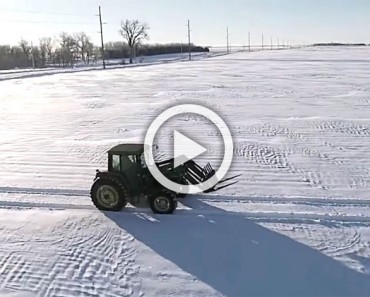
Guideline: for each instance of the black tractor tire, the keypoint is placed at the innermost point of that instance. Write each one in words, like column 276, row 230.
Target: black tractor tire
column 115, row 191
column 163, row 203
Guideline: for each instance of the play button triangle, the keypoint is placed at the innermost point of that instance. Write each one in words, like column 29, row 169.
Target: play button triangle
column 185, row 149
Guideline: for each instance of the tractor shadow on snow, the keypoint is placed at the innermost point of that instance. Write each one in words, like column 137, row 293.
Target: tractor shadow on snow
column 237, row 257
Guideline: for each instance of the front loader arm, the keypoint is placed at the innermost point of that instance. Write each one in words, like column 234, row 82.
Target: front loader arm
column 191, row 173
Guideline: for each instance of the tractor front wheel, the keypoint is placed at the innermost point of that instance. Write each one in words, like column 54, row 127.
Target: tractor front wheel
column 108, row 194
column 163, row 203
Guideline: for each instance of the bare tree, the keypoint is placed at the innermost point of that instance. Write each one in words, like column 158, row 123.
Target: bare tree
column 134, row 32
column 43, row 50
column 89, row 51
column 84, row 46
column 69, row 49
column 46, row 47
column 26, row 48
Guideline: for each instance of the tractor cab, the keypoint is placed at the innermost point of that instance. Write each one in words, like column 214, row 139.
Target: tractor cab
column 125, row 157
column 127, row 160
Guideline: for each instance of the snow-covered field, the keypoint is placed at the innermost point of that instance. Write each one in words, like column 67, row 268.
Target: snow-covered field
column 296, row 224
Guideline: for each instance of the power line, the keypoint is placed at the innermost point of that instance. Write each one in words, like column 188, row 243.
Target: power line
column 41, row 12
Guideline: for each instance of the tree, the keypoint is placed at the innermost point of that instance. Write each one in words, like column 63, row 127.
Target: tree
column 28, row 50
column 134, row 31
column 68, row 49
column 46, row 47
column 25, row 47
column 84, row 46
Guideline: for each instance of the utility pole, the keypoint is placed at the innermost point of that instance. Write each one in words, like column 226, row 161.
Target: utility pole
column 278, row 43
column 189, row 40
column 32, row 57
column 101, row 36
column 271, row 43
column 249, row 41
column 227, row 40
column 262, row 42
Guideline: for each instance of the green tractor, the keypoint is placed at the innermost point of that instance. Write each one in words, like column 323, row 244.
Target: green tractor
column 128, row 180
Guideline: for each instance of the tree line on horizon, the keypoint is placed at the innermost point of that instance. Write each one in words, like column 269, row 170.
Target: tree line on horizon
column 339, row 44
column 67, row 49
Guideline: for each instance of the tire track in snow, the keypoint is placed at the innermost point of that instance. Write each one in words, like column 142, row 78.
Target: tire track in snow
column 42, row 191
column 210, row 198
column 274, row 158
column 295, row 200
column 84, row 258
column 253, row 216
column 328, row 171
column 268, row 130
column 263, row 155
column 345, row 127
column 342, row 243
column 49, row 192
column 349, row 242
column 335, row 242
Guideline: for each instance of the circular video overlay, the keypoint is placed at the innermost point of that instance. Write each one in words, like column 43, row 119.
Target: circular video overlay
column 149, row 141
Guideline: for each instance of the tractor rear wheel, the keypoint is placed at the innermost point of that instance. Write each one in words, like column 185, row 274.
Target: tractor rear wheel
column 163, row 203
column 109, row 194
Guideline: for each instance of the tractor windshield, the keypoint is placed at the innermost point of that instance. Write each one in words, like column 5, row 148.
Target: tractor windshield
column 123, row 163
column 127, row 162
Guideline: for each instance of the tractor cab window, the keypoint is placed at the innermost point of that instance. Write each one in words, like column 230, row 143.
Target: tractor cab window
column 116, row 162
column 131, row 158
column 127, row 162
column 142, row 161
column 123, row 163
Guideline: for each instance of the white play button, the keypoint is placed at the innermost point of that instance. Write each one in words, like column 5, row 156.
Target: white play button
column 185, row 149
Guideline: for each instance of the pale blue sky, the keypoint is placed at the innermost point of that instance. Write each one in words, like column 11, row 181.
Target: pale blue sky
column 296, row 20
